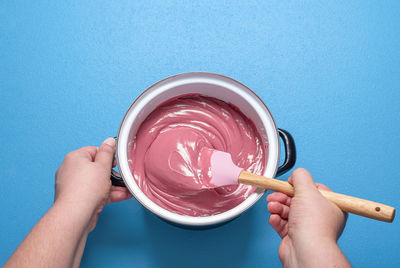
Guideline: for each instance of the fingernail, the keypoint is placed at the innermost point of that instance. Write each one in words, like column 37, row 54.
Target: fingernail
column 110, row 141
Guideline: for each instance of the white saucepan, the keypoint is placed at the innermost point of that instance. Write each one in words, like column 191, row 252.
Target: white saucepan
column 213, row 85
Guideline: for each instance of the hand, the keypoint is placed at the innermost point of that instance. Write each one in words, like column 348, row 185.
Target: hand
column 83, row 179
column 308, row 223
column 83, row 187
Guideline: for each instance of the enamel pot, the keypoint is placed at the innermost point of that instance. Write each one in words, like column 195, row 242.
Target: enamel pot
column 213, row 85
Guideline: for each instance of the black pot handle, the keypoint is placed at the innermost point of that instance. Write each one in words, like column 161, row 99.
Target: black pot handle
column 290, row 152
column 116, row 179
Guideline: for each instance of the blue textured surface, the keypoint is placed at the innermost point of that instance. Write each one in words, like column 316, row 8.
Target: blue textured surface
column 329, row 72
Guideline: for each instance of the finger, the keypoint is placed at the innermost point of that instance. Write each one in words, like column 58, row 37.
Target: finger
column 280, row 209
column 278, row 224
column 105, row 154
column 279, row 197
column 119, row 188
column 284, row 230
column 323, row 187
column 117, row 196
column 301, row 178
column 88, row 152
column 114, row 162
column 274, row 221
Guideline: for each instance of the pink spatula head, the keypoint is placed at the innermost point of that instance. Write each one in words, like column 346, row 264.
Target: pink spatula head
column 223, row 170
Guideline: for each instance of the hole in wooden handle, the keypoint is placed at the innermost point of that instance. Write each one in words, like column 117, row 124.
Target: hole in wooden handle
column 378, row 209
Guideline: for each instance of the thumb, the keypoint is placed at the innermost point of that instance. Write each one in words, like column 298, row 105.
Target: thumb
column 302, row 181
column 105, row 155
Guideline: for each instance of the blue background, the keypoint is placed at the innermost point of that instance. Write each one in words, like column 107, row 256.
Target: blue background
column 329, row 72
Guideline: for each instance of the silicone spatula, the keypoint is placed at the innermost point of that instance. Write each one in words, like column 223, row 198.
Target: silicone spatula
column 225, row 172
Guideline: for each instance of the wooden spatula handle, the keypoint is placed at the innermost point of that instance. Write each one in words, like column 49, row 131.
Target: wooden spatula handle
column 346, row 203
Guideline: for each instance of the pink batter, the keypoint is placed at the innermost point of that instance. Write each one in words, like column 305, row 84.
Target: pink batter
column 170, row 167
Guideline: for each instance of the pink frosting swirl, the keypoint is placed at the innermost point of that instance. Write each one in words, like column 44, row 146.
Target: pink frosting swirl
column 170, row 167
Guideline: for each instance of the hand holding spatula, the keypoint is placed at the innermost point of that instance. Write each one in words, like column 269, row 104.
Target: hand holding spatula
column 225, row 172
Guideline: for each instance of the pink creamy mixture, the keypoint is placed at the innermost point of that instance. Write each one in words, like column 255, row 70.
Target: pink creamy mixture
column 170, row 167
